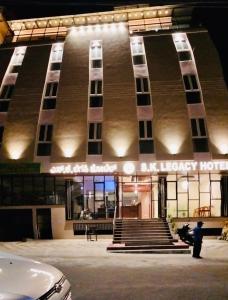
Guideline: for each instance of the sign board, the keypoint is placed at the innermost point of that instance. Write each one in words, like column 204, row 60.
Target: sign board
column 19, row 168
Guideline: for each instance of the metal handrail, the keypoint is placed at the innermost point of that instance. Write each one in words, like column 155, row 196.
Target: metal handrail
column 114, row 219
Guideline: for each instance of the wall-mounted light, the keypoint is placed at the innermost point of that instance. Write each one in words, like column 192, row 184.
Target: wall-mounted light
column 173, row 148
column 224, row 149
column 16, row 150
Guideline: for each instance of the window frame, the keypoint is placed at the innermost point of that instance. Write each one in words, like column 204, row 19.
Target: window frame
column 46, row 140
column 198, row 128
column 96, row 137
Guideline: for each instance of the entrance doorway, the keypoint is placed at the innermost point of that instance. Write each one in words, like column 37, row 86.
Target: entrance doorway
column 90, row 197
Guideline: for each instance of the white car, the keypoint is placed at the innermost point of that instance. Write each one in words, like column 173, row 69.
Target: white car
column 26, row 279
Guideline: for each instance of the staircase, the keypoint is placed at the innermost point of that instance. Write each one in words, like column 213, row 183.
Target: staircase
column 144, row 236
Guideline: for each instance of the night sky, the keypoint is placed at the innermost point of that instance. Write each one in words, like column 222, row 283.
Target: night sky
column 211, row 14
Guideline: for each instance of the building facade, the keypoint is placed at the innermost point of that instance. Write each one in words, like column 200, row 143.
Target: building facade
column 113, row 114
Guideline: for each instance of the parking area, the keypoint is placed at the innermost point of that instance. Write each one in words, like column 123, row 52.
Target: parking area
column 96, row 274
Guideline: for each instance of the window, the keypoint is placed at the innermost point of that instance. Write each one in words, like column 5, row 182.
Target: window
column 199, row 135
column 55, row 66
column 96, row 63
column 181, row 44
column 45, row 138
column 146, row 143
column 184, row 55
column 96, row 87
column 57, row 54
column 1, row 135
column 7, row 91
column 142, row 90
column 191, row 89
column 94, row 141
column 49, row 101
column 96, row 98
column 6, row 94
column 15, row 69
column 96, row 54
column 18, row 56
column 137, row 47
column 96, row 50
column 139, row 60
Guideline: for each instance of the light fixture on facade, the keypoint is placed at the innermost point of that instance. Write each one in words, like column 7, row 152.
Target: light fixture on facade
column 120, row 152
column 173, row 148
column 16, row 150
column 224, row 149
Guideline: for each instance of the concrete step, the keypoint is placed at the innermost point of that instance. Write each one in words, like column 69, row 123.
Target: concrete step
column 144, row 242
column 152, row 251
column 147, row 247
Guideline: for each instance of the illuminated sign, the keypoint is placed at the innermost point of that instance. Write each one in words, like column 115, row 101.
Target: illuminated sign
column 130, row 168
column 174, row 166
column 83, row 168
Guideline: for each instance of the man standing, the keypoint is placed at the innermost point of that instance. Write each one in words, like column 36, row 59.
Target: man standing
column 198, row 237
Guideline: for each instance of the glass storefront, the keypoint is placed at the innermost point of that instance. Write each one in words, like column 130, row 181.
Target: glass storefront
column 193, row 195
column 92, row 197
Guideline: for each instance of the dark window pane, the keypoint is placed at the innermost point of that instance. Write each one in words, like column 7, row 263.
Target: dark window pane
column 193, row 97
column 49, row 133
column 145, row 85
column 1, row 133
column 96, row 63
column 4, row 106
column 202, row 127
column 143, row 99
column 48, row 89
column 200, row 145
column 138, row 59
column 94, row 147
column 55, row 66
column 146, row 146
column 194, row 127
column 7, row 91
column 184, row 55
column 15, row 69
column 194, row 82
column 54, row 89
column 49, row 103
column 99, row 87
column 141, row 129
column 91, row 131
column 138, row 85
column 149, row 129
column 99, row 131
column 92, row 87
column 96, row 101
column 186, row 82
column 39, row 189
column 44, row 149
column 42, row 133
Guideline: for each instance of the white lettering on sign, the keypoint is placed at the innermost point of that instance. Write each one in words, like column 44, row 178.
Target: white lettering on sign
column 144, row 167
column 174, row 166
column 83, row 168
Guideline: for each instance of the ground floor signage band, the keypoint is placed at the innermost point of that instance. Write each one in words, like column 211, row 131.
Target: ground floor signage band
column 144, row 167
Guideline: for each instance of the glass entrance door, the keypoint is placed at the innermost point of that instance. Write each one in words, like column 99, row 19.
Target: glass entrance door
column 99, row 200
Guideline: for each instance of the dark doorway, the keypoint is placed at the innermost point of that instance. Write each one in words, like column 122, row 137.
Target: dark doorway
column 16, row 224
column 44, row 223
column 162, row 197
column 224, row 192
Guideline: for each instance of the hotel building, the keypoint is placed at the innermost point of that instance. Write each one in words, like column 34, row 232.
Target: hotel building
column 118, row 114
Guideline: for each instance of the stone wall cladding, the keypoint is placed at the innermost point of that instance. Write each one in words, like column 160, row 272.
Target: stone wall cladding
column 24, row 108
column 170, row 123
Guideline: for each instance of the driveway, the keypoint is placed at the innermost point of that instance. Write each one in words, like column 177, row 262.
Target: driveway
column 96, row 274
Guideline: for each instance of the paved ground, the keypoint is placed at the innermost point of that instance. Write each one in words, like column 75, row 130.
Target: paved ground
column 96, row 274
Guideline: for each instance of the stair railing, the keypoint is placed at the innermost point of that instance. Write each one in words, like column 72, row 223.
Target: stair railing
column 114, row 219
